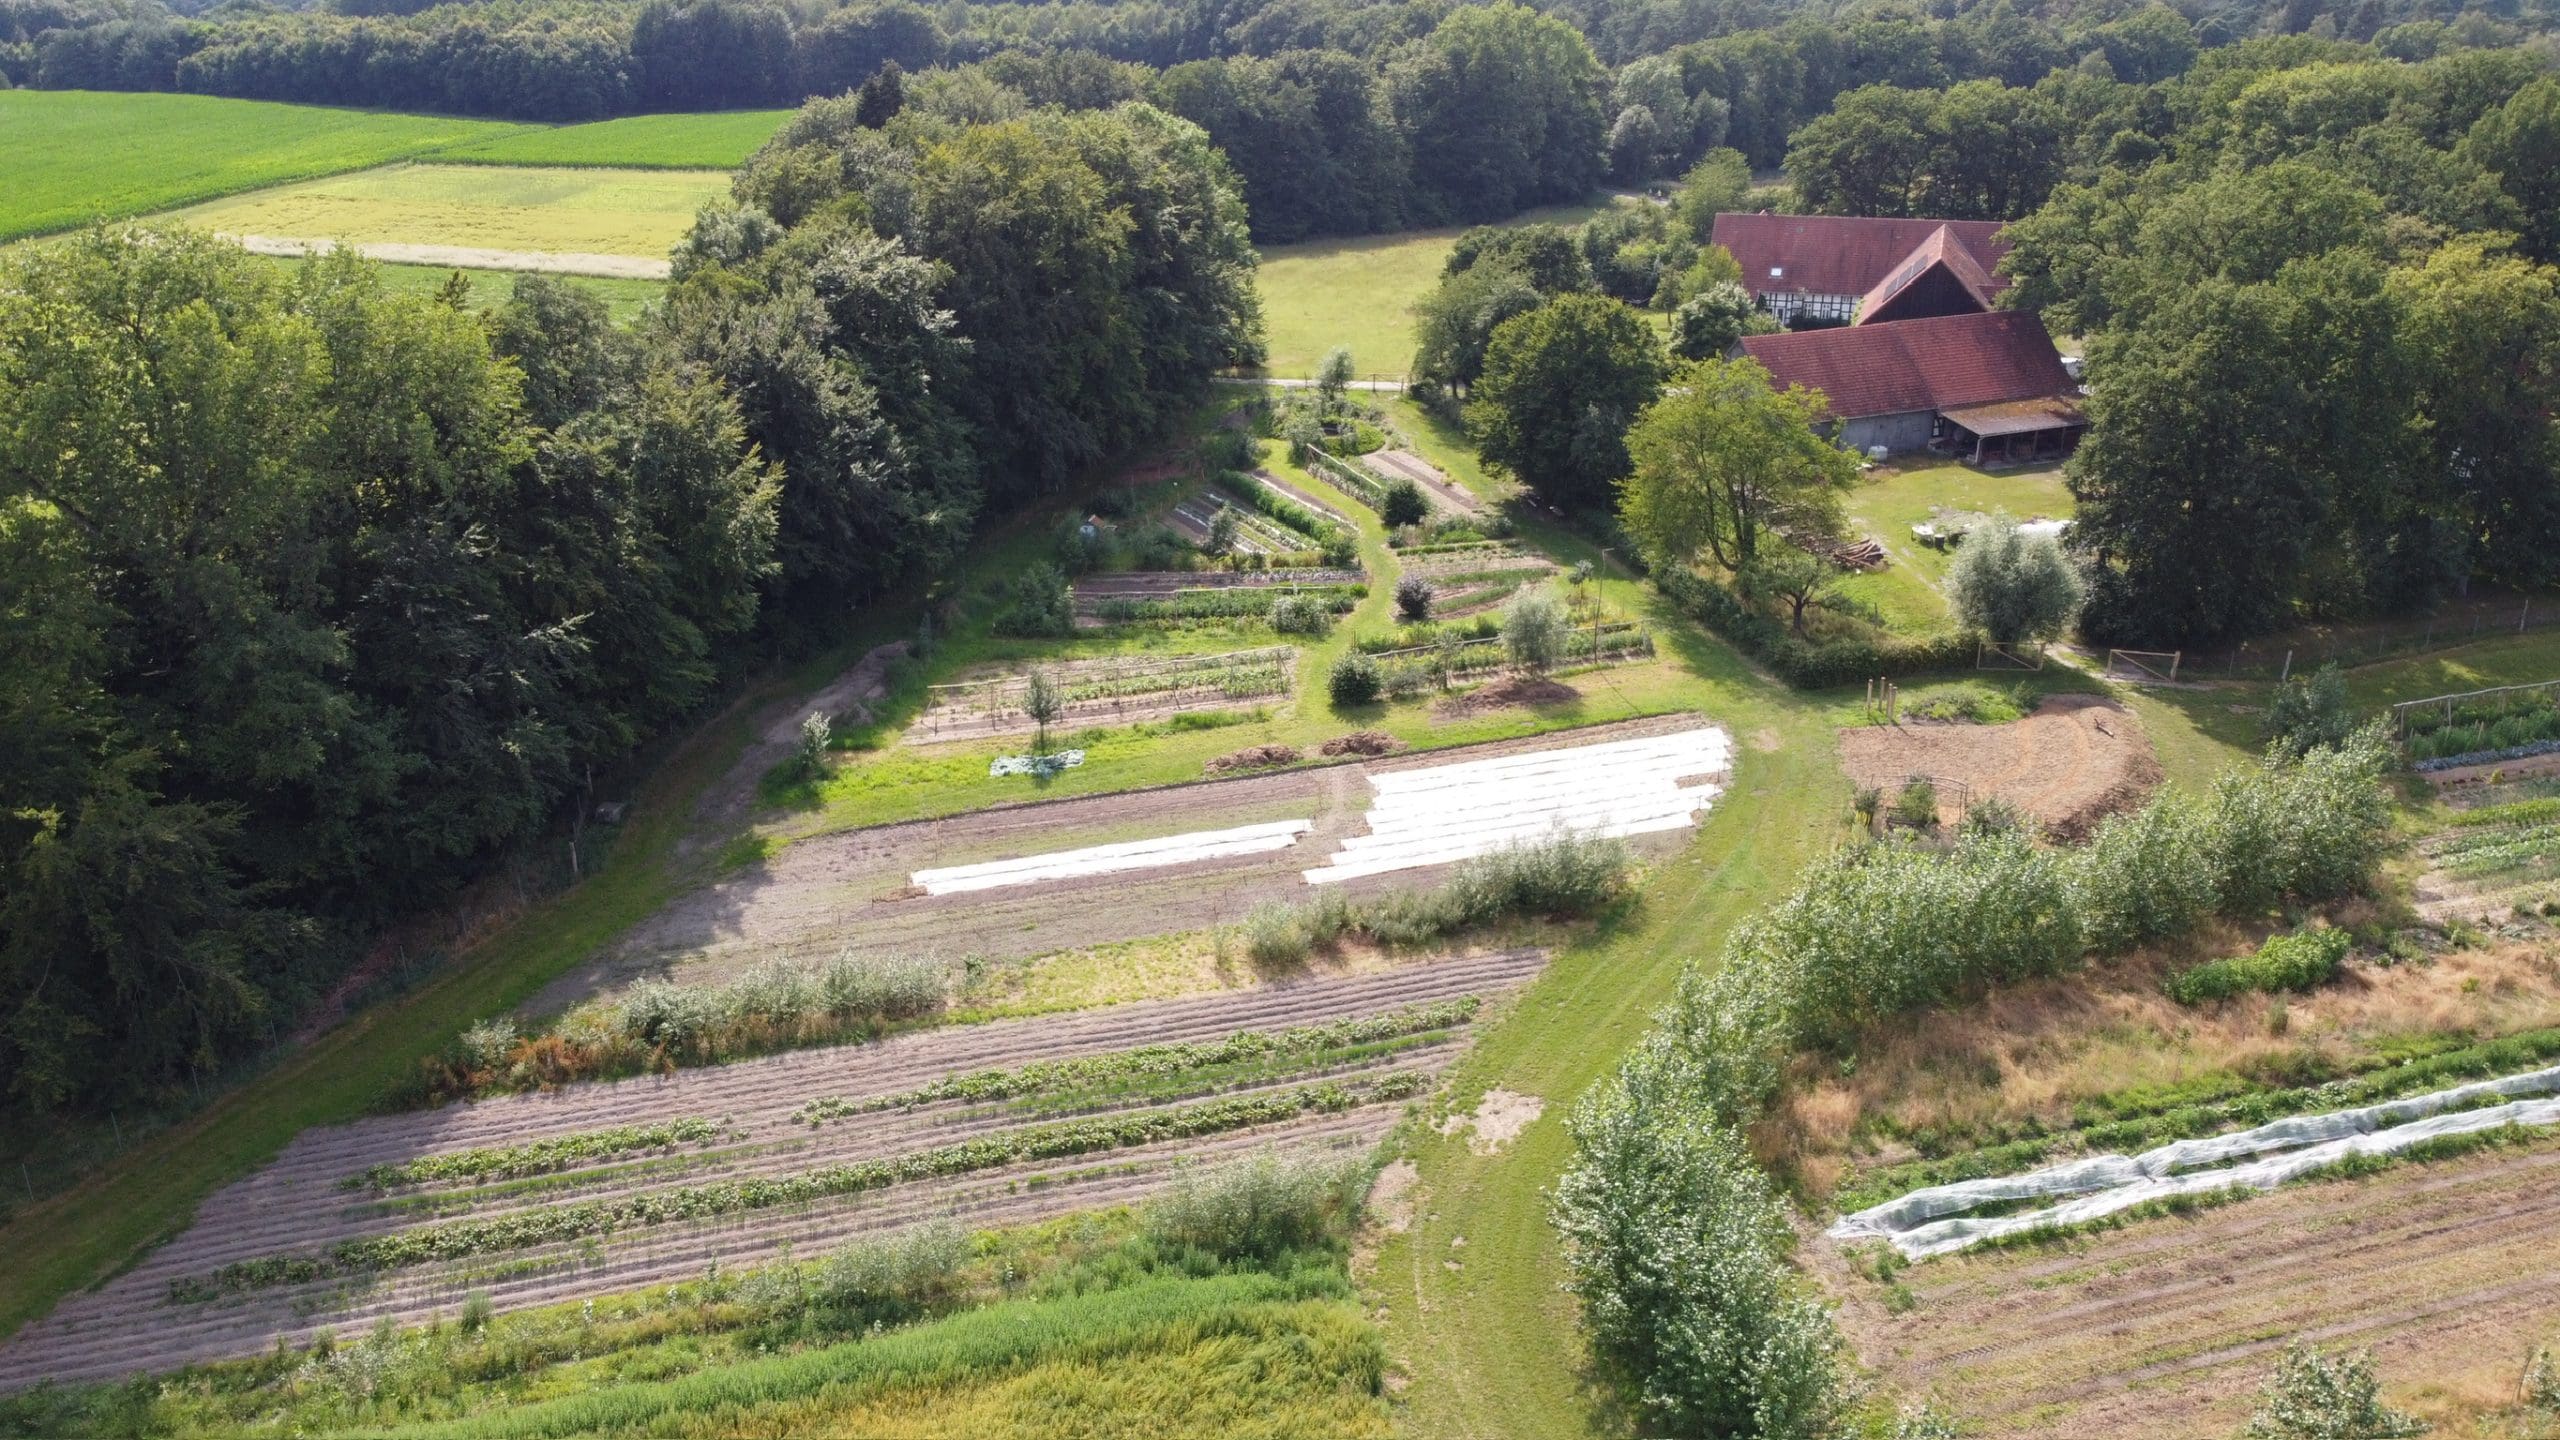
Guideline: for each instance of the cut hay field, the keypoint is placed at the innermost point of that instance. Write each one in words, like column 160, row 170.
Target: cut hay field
column 75, row 156
column 519, row 215
column 624, row 298
column 1361, row 292
column 718, row 141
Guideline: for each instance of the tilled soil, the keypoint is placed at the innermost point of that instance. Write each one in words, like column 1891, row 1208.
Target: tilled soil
column 2167, row 1327
column 297, row 1205
column 851, row 893
column 2076, row 760
column 1437, row 487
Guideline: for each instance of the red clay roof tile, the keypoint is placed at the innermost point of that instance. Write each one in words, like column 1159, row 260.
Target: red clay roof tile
column 1843, row 254
column 1906, row 365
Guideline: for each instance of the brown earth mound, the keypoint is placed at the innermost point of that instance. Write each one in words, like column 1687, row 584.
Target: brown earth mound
column 2075, row 761
column 1257, row 757
column 1363, row 742
column 1521, row 690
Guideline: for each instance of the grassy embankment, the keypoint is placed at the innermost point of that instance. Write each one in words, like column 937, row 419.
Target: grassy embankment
column 1360, row 293
column 76, row 156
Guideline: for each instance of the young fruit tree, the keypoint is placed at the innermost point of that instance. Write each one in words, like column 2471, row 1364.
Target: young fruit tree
column 2313, row 1396
column 2014, row 586
column 1533, row 628
column 1042, row 701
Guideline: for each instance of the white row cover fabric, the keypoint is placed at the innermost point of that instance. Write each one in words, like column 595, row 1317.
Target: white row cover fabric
column 1441, row 813
column 1111, row 859
column 2110, row 1183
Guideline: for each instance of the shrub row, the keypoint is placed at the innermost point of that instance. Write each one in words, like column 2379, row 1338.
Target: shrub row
column 659, row 1024
column 2296, row 961
column 506, row 1162
column 1672, row 1238
column 1802, row 663
column 1152, row 1061
column 598, row 1218
column 1561, row 876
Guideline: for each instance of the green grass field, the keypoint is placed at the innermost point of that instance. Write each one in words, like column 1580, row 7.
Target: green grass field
column 1360, row 293
column 75, row 156
column 490, row 289
column 1907, row 591
column 638, row 213
column 719, row 141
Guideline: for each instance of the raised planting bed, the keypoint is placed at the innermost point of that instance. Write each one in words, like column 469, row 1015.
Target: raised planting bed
column 1118, row 691
column 542, row 1198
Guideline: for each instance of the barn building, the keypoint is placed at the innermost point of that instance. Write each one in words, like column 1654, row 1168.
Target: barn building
column 1986, row 386
column 1841, row 270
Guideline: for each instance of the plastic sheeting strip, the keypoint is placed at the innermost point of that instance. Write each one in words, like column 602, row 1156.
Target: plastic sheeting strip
column 1111, row 859
column 1437, row 814
column 2111, row 1183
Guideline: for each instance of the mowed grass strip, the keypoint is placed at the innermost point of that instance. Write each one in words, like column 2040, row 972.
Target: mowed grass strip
column 552, row 210
column 719, row 141
column 1360, row 293
column 74, row 156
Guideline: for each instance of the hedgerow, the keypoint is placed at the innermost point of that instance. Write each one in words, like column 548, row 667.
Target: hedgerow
column 599, row 1218
column 498, row 1162
column 1151, row 1061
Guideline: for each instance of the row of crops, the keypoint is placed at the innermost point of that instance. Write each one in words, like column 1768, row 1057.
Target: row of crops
column 1410, row 672
column 1178, row 607
column 1234, row 675
column 2499, row 725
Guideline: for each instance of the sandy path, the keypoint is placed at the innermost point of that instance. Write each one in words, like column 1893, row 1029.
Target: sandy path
column 469, row 257
column 850, row 893
column 2167, row 1326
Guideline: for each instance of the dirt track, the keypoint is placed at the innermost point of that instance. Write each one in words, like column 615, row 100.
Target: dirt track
column 2077, row 759
column 2167, row 1327
column 850, row 892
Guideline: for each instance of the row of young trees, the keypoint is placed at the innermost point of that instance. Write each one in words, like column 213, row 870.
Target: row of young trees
column 315, row 598
column 1677, row 1242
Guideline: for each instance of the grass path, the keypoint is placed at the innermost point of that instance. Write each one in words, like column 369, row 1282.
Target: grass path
column 1487, row 1341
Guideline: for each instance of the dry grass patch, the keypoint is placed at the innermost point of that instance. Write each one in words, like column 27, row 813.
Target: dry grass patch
column 2025, row 1058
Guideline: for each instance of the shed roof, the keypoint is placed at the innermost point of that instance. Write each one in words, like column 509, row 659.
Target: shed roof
column 2019, row 417
column 1903, row 366
column 1844, row 254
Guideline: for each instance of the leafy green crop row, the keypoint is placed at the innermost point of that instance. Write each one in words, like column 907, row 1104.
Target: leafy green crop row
column 1148, row 1061
column 598, row 1218
column 502, row 1162
column 1238, row 602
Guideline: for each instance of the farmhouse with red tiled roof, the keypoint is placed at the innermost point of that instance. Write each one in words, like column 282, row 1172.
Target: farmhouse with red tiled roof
column 1986, row 386
column 1835, row 269
column 1916, row 358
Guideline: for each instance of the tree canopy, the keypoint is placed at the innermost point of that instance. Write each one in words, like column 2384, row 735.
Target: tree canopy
column 1561, row 384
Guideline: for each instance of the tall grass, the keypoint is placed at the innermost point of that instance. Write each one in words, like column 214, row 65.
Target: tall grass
column 659, row 1025
column 1562, row 877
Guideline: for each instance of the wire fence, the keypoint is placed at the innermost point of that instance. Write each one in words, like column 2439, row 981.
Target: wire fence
column 2457, row 623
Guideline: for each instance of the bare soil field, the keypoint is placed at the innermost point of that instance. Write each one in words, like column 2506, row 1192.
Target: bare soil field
column 2166, row 1327
column 2076, row 760
column 851, row 892
column 302, row 1203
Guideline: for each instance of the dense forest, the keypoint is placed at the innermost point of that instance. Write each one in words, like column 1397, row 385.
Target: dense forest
column 1340, row 117
column 314, row 598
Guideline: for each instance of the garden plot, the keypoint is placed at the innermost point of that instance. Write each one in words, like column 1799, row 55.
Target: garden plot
column 1255, row 534
column 853, row 892
column 1472, row 579
column 1179, row 596
column 400, row 1216
column 2076, row 760
column 2492, row 861
column 1296, row 496
column 1440, row 814
column 1436, row 487
column 1117, row 691
column 2166, row 1328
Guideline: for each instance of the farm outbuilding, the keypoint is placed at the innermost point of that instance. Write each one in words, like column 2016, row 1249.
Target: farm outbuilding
column 1814, row 270
column 1987, row 387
